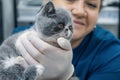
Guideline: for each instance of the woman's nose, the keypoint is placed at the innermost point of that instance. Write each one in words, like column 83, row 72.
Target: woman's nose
column 78, row 9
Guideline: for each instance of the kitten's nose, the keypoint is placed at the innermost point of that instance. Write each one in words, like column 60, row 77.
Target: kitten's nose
column 67, row 33
column 66, row 29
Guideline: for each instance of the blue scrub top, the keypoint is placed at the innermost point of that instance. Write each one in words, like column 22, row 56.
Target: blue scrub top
column 97, row 57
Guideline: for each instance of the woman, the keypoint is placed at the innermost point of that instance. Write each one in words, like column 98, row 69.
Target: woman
column 96, row 52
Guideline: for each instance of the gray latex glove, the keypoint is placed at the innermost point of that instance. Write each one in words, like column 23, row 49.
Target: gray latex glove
column 57, row 61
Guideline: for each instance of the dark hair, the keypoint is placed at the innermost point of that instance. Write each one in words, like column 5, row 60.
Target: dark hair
column 101, row 4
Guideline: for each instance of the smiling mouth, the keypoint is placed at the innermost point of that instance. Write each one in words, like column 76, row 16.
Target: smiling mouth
column 78, row 22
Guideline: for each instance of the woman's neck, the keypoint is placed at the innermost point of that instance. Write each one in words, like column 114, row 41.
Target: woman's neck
column 76, row 43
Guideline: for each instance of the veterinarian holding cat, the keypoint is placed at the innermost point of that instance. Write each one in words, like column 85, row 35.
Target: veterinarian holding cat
column 95, row 52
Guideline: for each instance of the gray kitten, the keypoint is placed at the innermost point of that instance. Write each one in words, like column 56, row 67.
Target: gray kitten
column 50, row 24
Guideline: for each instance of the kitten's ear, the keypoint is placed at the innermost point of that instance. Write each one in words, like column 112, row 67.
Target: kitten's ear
column 49, row 9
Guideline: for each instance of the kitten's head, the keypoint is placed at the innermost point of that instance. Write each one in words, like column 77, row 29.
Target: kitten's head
column 52, row 23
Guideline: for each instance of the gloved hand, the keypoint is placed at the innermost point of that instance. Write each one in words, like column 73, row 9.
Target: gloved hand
column 57, row 61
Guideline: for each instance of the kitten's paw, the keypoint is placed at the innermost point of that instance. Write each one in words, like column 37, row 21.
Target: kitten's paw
column 20, row 60
column 40, row 69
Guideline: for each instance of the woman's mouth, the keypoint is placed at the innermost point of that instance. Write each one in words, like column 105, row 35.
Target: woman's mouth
column 79, row 22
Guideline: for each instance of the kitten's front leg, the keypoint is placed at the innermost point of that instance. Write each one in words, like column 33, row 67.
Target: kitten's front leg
column 30, row 72
column 13, row 68
column 33, row 72
column 10, row 69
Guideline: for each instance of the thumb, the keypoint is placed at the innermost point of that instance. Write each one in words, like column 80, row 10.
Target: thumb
column 64, row 43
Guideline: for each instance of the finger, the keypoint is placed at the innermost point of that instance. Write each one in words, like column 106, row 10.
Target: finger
column 24, row 53
column 31, row 49
column 64, row 43
column 42, row 46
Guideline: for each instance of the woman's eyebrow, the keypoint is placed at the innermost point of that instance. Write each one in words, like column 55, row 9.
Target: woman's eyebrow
column 94, row 0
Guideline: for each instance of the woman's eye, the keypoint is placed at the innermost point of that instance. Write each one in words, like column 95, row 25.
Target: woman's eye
column 70, row 0
column 92, row 5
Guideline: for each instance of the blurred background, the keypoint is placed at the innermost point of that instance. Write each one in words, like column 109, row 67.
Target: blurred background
column 21, row 13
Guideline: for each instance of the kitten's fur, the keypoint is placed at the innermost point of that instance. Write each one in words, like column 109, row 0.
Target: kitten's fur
column 50, row 24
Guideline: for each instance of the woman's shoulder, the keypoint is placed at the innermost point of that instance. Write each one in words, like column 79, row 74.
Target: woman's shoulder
column 102, row 33
column 107, row 58
column 108, row 43
column 101, row 38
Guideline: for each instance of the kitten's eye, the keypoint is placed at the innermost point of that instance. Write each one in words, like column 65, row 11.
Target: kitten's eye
column 70, row 27
column 61, row 26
